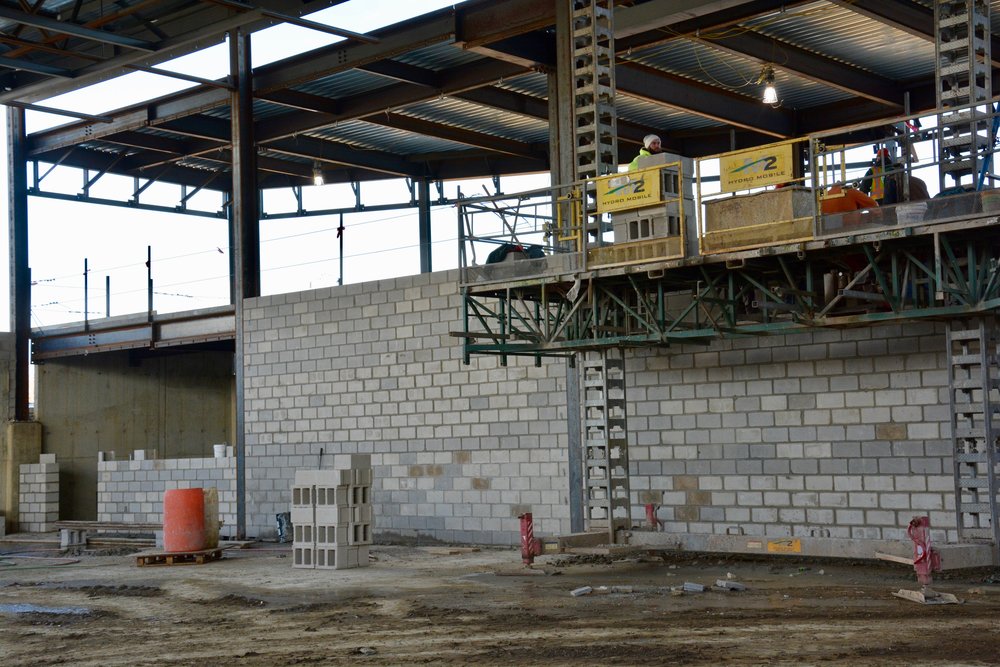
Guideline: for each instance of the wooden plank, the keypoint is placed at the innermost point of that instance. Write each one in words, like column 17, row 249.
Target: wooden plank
column 895, row 559
column 450, row 551
column 147, row 558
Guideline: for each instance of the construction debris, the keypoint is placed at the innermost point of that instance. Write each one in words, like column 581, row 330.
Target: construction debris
column 690, row 587
column 729, row 585
column 927, row 596
column 583, row 590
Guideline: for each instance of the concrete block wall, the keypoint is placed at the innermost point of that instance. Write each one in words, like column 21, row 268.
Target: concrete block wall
column 840, row 434
column 458, row 451
column 132, row 491
column 830, row 433
column 39, row 495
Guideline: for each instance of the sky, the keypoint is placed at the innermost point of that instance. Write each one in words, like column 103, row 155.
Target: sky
column 190, row 265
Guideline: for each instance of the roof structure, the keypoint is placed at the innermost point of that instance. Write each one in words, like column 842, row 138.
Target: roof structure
column 462, row 92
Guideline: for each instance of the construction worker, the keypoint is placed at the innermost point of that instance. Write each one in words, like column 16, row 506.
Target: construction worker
column 650, row 146
column 874, row 181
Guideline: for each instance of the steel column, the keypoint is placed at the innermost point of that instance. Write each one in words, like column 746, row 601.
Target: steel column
column 562, row 159
column 20, row 273
column 424, row 223
column 245, row 238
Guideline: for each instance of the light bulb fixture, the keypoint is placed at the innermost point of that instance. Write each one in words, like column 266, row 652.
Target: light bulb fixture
column 767, row 78
column 318, row 174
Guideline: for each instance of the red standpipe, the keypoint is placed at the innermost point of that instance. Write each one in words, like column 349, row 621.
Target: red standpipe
column 651, row 519
column 530, row 545
column 926, row 559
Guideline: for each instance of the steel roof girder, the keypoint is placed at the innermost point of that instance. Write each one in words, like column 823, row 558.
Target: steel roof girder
column 77, row 133
column 811, row 66
column 358, row 106
column 674, row 91
column 403, row 72
column 74, row 29
column 396, row 40
column 335, row 153
column 192, row 31
column 453, row 133
column 908, row 17
column 37, row 68
column 644, row 25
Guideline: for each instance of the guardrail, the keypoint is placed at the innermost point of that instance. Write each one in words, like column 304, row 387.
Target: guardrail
column 788, row 192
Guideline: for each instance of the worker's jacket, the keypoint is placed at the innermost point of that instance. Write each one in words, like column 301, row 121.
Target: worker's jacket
column 635, row 163
column 873, row 182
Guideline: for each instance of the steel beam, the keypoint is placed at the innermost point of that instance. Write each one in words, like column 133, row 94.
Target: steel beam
column 75, row 30
column 456, row 80
column 20, row 273
column 909, row 17
column 455, row 134
column 679, row 93
column 245, row 239
column 435, row 28
column 196, row 28
column 424, row 223
column 810, row 66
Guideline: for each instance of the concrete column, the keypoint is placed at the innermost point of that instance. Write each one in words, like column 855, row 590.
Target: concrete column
column 22, row 443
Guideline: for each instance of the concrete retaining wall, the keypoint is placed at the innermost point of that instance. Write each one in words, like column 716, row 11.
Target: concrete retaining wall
column 177, row 405
column 832, row 433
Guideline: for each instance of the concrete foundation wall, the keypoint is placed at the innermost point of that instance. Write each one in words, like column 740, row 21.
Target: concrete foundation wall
column 832, row 433
column 177, row 406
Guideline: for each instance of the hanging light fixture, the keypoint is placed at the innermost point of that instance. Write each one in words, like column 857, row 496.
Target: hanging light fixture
column 767, row 78
column 318, row 174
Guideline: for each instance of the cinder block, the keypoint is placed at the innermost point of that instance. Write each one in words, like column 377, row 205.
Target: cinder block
column 332, row 515
column 326, row 558
column 303, row 534
column 360, row 534
column 47, row 458
column 348, row 461
column 333, row 534
column 361, row 514
column 360, row 495
column 362, row 477
column 303, row 496
column 305, row 478
column 303, row 516
column 332, row 495
column 303, row 557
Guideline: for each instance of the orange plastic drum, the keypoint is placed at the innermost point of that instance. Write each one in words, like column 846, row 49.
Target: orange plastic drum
column 184, row 520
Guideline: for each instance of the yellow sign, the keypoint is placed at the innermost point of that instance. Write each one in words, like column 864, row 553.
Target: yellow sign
column 788, row 546
column 756, row 168
column 634, row 189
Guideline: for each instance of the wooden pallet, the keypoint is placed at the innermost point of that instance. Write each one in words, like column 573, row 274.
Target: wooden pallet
column 177, row 557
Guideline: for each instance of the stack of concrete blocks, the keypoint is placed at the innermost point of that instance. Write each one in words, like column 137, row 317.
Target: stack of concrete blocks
column 39, row 495
column 332, row 514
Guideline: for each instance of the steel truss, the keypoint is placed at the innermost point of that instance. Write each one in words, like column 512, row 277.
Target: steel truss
column 939, row 274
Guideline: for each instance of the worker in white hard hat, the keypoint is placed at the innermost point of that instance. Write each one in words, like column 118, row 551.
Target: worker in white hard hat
column 650, row 146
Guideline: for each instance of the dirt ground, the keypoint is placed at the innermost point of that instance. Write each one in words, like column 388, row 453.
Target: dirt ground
column 415, row 607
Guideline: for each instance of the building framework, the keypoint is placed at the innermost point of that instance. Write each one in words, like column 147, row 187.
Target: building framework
column 570, row 87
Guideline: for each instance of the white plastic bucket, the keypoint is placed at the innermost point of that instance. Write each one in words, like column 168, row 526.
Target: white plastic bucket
column 220, row 450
